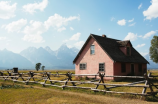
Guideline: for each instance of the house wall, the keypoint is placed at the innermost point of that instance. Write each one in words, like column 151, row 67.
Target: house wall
column 93, row 61
column 117, row 69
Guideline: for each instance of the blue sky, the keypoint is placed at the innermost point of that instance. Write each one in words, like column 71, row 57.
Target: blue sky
column 41, row 23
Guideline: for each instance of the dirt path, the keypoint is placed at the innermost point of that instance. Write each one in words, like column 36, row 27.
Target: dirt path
column 103, row 98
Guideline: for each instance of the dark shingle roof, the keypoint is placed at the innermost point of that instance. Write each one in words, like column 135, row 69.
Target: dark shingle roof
column 111, row 47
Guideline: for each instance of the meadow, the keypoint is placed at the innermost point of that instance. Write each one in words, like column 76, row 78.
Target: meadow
column 19, row 93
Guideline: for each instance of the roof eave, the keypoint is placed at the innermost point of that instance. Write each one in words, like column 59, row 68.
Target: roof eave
column 81, row 49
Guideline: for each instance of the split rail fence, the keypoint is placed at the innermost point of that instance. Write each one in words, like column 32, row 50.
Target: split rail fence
column 47, row 77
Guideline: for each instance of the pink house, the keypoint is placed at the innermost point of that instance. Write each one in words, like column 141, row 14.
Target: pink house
column 111, row 56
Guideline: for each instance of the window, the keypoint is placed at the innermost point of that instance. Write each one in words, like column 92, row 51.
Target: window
column 92, row 49
column 140, row 67
column 123, row 67
column 128, row 50
column 83, row 66
column 101, row 66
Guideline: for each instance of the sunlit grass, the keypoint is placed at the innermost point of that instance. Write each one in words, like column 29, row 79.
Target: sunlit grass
column 86, row 91
column 31, row 95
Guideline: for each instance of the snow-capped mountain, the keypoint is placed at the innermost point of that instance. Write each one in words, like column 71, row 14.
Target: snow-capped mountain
column 59, row 59
column 47, row 48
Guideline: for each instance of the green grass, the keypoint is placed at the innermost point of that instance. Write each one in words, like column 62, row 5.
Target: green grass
column 21, row 95
column 33, row 95
column 74, row 90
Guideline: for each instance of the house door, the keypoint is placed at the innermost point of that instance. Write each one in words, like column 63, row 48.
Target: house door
column 132, row 69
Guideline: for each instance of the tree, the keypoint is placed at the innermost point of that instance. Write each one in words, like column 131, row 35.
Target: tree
column 43, row 68
column 154, row 49
column 38, row 66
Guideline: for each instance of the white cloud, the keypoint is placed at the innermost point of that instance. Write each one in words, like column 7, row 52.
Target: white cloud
column 33, row 32
column 79, row 44
column 99, row 29
column 131, row 36
column 121, row 22
column 140, row 45
column 66, row 40
column 132, row 24
column 3, row 38
column 33, row 38
column 112, row 19
column 15, row 25
column 140, row 36
column 7, row 44
column 75, row 36
column 69, row 46
column 61, row 29
column 131, row 20
column 149, row 34
column 56, row 21
column 152, row 11
column 7, row 10
column 140, row 6
column 35, row 29
column 31, row 8
column 71, row 28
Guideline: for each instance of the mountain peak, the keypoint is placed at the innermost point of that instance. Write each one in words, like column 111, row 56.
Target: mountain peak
column 5, row 49
column 63, row 47
column 40, row 48
column 31, row 48
column 47, row 47
column 74, row 49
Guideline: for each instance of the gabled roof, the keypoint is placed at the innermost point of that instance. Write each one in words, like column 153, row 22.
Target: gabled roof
column 111, row 48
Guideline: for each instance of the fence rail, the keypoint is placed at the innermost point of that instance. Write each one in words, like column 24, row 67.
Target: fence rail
column 46, row 76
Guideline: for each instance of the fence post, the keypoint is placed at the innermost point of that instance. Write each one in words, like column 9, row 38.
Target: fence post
column 69, row 75
column 1, row 74
column 57, row 74
column 101, row 75
column 147, row 82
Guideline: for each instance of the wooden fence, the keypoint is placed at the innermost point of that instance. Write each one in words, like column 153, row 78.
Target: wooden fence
column 47, row 77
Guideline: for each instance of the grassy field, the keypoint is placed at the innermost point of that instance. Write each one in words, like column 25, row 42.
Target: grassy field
column 19, row 93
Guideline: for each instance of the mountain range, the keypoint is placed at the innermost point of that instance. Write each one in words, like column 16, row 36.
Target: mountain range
column 58, row 59
column 9, row 59
column 26, row 59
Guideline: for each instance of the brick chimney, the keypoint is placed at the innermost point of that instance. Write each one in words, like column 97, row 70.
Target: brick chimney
column 104, row 35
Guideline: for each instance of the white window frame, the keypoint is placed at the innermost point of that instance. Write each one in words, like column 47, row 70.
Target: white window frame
column 102, row 68
column 92, row 49
column 83, row 66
